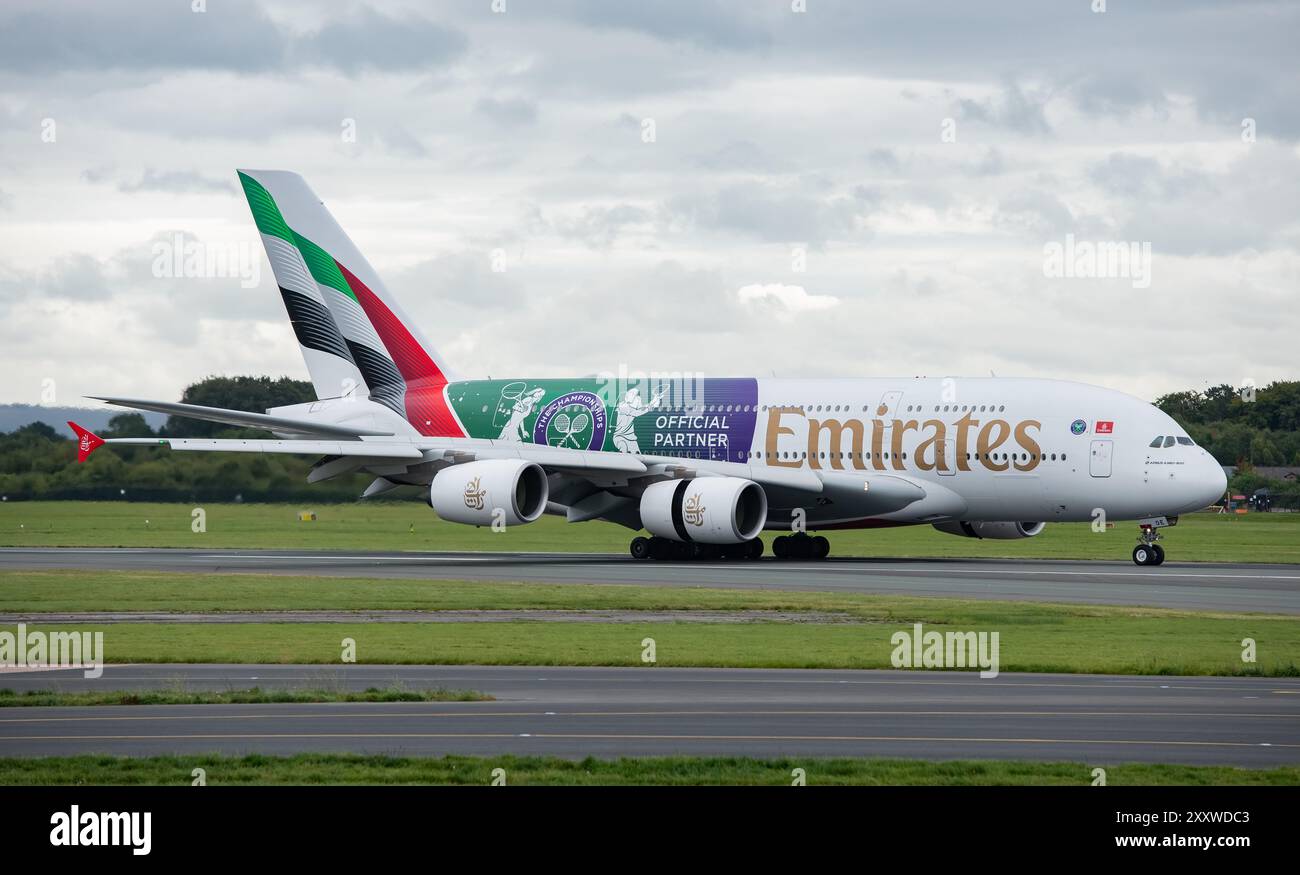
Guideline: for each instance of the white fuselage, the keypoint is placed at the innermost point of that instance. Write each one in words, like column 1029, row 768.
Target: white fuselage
column 1006, row 449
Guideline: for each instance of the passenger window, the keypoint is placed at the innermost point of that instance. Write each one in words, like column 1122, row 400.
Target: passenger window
column 1169, row 441
column 1156, row 442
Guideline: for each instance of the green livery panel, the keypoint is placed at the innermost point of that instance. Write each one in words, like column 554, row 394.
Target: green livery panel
column 699, row 418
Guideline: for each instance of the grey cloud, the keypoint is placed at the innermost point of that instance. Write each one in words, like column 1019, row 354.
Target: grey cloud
column 75, row 277
column 741, row 155
column 466, row 278
column 233, row 35
column 884, row 160
column 769, row 213
column 399, row 141
column 1014, row 109
column 175, row 181
column 1130, row 175
column 705, row 22
column 601, row 226
column 1038, row 213
column 37, row 37
column 370, row 40
column 508, row 111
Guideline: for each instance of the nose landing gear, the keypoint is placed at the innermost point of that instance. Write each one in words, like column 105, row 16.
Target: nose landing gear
column 1148, row 552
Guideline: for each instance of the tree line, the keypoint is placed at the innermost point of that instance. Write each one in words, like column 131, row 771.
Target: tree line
column 1244, row 426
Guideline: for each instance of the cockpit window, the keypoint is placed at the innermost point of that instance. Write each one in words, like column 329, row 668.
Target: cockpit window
column 1169, row 440
column 1186, row 441
column 1157, row 441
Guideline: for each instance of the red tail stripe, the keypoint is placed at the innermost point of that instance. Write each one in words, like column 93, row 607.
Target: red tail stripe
column 426, row 407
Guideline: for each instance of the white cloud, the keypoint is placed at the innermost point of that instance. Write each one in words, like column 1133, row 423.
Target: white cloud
column 782, row 301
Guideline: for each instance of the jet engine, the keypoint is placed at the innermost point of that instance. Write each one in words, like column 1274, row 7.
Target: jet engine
column 479, row 493
column 992, row 531
column 705, row 510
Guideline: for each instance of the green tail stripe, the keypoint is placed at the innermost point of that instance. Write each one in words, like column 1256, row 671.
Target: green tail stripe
column 265, row 213
column 322, row 266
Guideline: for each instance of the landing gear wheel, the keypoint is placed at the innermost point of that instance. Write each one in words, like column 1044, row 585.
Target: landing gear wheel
column 640, row 548
column 781, row 547
column 821, row 548
column 1159, row 554
column 755, row 549
column 1143, row 555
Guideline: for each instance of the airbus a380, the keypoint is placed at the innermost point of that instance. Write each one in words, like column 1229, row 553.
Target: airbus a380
column 704, row 465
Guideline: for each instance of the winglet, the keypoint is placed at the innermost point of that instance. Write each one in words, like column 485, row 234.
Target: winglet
column 87, row 441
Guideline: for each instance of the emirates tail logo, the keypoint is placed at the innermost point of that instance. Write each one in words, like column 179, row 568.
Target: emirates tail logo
column 85, row 443
column 693, row 513
column 474, row 495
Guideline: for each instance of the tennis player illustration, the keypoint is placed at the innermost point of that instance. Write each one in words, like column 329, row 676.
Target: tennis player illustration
column 523, row 407
column 631, row 407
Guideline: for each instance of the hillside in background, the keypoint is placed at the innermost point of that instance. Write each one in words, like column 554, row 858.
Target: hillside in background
column 15, row 416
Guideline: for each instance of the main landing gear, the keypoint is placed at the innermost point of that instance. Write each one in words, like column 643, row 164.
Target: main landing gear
column 663, row 548
column 1148, row 552
column 801, row 546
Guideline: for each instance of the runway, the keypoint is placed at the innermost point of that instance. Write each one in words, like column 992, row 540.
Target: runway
column 1273, row 589
column 611, row 712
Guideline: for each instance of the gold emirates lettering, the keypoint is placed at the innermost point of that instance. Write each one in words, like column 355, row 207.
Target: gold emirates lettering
column 929, row 454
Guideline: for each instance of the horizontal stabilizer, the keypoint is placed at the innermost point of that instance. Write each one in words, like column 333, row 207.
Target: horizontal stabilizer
column 245, row 419
column 363, row 449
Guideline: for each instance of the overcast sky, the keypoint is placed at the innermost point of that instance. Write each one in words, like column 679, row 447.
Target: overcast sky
column 683, row 185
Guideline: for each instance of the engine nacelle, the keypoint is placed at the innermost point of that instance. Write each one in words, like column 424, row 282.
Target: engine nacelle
column 992, row 531
column 477, row 493
column 706, row 510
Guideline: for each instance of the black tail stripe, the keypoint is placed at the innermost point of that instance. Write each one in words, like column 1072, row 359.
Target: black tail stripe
column 313, row 325
column 381, row 375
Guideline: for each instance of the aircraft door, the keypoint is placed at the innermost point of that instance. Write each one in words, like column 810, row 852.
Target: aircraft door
column 1099, row 460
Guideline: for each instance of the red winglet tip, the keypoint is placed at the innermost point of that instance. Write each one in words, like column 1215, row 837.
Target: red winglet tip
column 87, row 441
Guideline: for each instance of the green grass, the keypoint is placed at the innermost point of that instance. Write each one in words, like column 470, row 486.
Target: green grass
column 412, row 526
column 523, row 771
column 254, row 696
column 1033, row 636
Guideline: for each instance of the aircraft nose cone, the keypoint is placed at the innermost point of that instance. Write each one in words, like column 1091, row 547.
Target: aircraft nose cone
column 1216, row 481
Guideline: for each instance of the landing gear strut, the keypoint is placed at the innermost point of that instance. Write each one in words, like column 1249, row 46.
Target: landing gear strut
column 663, row 548
column 801, row 546
column 1148, row 552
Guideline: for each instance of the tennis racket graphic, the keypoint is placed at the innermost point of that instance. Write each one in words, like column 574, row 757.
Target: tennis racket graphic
column 571, row 427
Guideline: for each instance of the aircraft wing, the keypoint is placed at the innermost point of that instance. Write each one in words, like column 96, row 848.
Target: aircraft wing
column 366, row 449
column 244, row 418
column 596, row 471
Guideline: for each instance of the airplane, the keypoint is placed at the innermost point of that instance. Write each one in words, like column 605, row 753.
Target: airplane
column 704, row 465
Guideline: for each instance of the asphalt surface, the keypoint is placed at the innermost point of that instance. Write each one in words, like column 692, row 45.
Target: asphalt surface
column 1271, row 589
column 610, row 712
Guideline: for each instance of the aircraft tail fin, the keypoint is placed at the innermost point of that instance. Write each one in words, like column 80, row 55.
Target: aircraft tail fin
column 365, row 329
